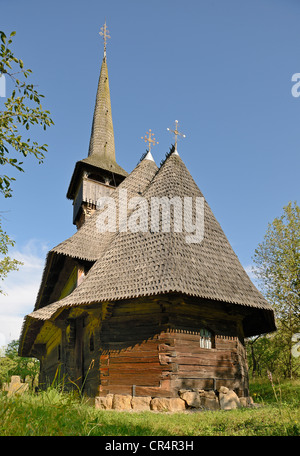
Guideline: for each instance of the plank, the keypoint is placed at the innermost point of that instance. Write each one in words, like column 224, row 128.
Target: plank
column 142, row 345
column 133, row 360
column 203, row 362
column 134, row 380
column 119, row 389
column 205, row 354
column 136, row 367
column 154, row 391
column 205, row 371
column 136, row 353
column 189, row 383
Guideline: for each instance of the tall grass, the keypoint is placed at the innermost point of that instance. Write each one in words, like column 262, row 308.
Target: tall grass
column 55, row 413
column 286, row 392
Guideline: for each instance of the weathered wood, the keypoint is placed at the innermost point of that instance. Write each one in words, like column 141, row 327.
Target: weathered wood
column 190, row 383
column 192, row 361
column 163, row 390
column 202, row 370
column 133, row 345
column 135, row 380
column 133, row 360
column 136, row 367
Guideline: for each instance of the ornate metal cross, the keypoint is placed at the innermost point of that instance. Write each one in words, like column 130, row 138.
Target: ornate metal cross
column 176, row 133
column 105, row 33
column 149, row 139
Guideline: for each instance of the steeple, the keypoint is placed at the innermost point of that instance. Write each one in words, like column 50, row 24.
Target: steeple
column 102, row 142
column 99, row 173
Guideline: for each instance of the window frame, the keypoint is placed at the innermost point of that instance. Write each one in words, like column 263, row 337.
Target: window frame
column 205, row 339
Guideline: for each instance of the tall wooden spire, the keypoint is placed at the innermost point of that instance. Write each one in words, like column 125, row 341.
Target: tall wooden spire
column 99, row 173
column 102, row 142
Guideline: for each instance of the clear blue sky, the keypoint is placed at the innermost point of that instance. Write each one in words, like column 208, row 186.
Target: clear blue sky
column 222, row 68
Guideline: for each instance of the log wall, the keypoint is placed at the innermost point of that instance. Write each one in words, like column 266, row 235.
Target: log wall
column 148, row 347
column 153, row 348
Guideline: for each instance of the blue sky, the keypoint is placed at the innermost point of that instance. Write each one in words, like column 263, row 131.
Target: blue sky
column 223, row 69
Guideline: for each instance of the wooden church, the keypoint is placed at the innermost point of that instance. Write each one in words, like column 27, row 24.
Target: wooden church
column 140, row 312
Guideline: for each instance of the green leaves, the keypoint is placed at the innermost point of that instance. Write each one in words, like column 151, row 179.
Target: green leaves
column 23, row 109
column 18, row 365
column 3, row 37
column 7, row 264
column 277, row 261
column 278, row 257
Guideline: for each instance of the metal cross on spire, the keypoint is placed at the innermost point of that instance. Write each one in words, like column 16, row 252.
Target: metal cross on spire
column 105, row 33
column 149, row 139
column 176, row 133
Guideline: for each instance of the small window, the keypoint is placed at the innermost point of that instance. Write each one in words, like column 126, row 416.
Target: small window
column 205, row 338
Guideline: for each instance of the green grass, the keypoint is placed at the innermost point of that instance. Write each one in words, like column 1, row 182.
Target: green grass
column 287, row 391
column 52, row 413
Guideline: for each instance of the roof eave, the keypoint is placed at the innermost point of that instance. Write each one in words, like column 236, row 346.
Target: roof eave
column 82, row 165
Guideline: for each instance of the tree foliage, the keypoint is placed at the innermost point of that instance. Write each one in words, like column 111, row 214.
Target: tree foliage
column 271, row 353
column 22, row 110
column 13, row 364
column 277, row 261
column 7, row 264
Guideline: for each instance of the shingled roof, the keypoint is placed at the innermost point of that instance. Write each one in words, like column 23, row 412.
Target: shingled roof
column 88, row 243
column 136, row 264
column 141, row 264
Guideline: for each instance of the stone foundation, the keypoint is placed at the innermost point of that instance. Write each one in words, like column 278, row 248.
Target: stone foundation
column 196, row 399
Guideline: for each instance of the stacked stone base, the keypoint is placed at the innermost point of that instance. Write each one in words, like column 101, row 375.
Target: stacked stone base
column 223, row 399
